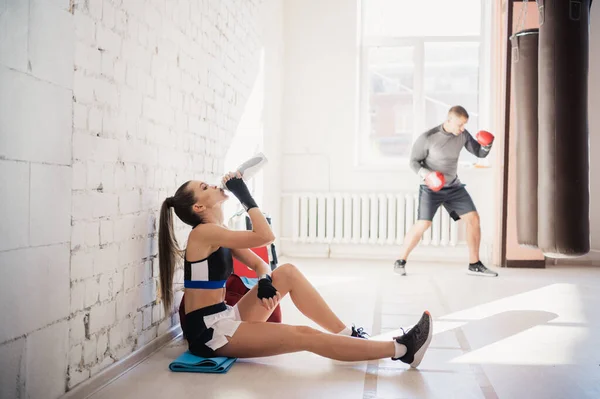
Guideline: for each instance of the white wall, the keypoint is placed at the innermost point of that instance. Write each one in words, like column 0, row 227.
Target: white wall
column 273, row 40
column 259, row 129
column 105, row 109
column 320, row 112
column 36, row 81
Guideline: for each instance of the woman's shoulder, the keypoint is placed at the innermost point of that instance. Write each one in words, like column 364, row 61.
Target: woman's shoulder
column 206, row 228
column 197, row 247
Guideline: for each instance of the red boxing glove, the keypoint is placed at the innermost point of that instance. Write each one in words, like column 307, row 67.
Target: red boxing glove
column 484, row 138
column 435, row 180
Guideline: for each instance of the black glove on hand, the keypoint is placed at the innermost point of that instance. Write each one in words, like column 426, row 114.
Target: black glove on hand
column 238, row 187
column 265, row 288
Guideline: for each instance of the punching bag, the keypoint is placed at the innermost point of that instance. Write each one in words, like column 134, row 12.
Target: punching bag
column 525, row 70
column 563, row 153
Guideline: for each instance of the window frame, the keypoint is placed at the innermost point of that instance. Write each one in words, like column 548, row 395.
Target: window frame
column 363, row 159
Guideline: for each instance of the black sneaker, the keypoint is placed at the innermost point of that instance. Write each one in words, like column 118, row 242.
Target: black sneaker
column 359, row 333
column 416, row 340
column 400, row 267
column 478, row 269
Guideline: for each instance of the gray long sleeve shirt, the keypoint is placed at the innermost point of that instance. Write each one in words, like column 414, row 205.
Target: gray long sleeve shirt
column 438, row 150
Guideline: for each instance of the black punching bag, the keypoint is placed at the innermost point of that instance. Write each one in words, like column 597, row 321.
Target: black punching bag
column 563, row 153
column 525, row 78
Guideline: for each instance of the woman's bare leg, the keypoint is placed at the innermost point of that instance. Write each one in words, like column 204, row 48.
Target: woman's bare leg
column 288, row 279
column 258, row 339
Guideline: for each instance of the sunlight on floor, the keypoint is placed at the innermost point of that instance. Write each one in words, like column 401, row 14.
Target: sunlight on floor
column 527, row 333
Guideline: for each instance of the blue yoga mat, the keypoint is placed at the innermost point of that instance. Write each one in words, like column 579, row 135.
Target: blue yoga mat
column 189, row 363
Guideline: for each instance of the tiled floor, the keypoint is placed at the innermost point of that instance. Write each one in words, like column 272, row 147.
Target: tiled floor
column 525, row 334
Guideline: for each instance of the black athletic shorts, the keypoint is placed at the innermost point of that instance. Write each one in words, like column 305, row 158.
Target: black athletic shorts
column 455, row 199
column 207, row 328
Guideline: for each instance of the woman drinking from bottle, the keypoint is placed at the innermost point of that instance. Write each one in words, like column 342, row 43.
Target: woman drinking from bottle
column 214, row 328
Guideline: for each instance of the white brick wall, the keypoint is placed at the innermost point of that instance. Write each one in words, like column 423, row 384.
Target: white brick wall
column 47, row 360
column 35, row 289
column 50, row 209
column 106, row 107
column 47, row 136
column 77, row 376
column 14, row 192
column 102, row 345
column 90, row 351
column 12, row 356
column 75, row 356
column 77, row 328
column 13, row 41
column 50, row 55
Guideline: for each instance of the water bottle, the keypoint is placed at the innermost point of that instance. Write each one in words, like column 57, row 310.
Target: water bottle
column 251, row 167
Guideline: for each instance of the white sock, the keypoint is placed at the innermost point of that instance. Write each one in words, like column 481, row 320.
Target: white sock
column 346, row 331
column 400, row 350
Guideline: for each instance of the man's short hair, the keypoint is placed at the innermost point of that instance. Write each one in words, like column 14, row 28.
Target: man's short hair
column 459, row 111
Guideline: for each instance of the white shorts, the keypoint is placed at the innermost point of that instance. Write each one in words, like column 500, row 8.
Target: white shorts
column 207, row 328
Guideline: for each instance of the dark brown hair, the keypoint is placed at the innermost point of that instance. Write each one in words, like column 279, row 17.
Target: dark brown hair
column 168, row 248
column 459, row 111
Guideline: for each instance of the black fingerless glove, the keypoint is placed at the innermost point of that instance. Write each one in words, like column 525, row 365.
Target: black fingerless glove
column 265, row 288
column 238, row 187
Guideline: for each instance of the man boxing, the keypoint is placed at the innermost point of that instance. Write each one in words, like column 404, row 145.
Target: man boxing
column 434, row 158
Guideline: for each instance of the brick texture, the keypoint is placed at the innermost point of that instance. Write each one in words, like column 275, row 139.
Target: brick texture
column 126, row 100
column 158, row 91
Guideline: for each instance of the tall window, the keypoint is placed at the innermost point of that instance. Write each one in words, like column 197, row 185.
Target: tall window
column 418, row 58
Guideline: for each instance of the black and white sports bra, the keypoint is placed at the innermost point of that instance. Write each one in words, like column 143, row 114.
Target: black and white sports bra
column 208, row 273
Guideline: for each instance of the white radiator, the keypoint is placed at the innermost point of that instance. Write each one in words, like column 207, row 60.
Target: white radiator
column 345, row 218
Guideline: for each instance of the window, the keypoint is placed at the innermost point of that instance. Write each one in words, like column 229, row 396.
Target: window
column 418, row 58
